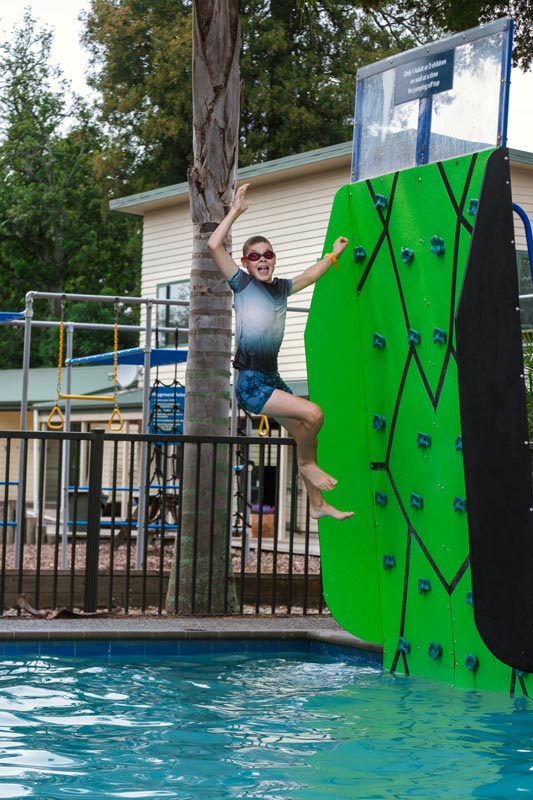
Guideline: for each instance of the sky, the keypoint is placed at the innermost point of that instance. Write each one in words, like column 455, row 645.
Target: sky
column 62, row 17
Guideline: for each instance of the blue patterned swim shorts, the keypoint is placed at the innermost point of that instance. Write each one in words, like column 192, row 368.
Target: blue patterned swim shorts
column 254, row 388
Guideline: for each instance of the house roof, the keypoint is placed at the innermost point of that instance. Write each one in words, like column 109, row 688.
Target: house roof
column 323, row 157
column 167, row 195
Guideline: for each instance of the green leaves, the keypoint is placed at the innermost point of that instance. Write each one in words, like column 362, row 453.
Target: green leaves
column 55, row 234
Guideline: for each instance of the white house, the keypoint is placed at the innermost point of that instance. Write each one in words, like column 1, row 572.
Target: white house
column 291, row 202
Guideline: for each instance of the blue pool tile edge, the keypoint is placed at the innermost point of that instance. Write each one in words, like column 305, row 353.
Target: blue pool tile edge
column 184, row 647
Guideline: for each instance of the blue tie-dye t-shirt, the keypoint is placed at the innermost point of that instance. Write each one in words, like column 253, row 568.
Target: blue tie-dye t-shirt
column 260, row 310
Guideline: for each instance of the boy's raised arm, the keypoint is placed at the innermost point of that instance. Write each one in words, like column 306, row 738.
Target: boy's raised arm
column 220, row 256
column 315, row 271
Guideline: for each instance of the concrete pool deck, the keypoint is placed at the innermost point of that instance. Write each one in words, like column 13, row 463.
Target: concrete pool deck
column 321, row 628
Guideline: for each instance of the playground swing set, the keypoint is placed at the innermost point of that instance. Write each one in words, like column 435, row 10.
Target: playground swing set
column 56, row 418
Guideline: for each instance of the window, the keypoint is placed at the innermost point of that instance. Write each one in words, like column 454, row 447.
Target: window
column 173, row 316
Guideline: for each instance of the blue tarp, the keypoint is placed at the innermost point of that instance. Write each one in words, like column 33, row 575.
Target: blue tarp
column 7, row 316
column 135, row 355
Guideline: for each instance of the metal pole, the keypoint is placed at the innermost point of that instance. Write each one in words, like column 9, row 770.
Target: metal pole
column 65, row 472
column 233, row 432
column 247, row 514
column 93, row 520
column 91, row 326
column 234, row 405
column 282, row 483
column 35, row 465
column 104, row 298
column 21, row 500
column 143, row 458
column 26, row 362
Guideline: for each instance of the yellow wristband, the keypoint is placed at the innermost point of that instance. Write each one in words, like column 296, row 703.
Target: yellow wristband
column 333, row 260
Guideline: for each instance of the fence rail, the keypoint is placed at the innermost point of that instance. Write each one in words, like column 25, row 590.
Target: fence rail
column 225, row 528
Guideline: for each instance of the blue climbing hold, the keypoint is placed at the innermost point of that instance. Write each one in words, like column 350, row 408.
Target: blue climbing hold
column 378, row 422
column 416, row 501
column 434, row 650
column 413, row 337
column 469, row 599
column 359, row 254
column 424, row 585
column 437, row 245
column 459, row 443
column 388, row 561
column 439, row 336
column 423, row 440
column 381, row 499
column 380, row 201
column 404, row 645
column 471, row 662
column 406, row 255
column 379, row 341
column 472, row 207
column 459, row 504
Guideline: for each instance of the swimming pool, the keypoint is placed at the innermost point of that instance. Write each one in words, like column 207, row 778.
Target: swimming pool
column 247, row 720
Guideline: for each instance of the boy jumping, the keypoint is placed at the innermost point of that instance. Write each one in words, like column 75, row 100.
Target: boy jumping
column 260, row 309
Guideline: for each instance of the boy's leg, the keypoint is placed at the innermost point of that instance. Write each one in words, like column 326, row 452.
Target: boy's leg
column 303, row 420
column 318, row 506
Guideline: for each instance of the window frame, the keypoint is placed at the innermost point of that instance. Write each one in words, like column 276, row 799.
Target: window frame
column 168, row 316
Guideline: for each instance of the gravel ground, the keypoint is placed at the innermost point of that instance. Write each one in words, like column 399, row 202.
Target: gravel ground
column 46, row 557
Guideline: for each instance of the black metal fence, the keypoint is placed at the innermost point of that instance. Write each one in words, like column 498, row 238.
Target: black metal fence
column 126, row 523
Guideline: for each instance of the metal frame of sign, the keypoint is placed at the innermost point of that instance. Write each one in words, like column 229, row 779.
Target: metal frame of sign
column 503, row 26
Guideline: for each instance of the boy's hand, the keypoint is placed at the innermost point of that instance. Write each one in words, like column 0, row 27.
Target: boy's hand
column 339, row 245
column 240, row 204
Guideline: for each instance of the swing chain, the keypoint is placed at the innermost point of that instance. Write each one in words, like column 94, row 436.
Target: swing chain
column 56, row 420
column 61, row 345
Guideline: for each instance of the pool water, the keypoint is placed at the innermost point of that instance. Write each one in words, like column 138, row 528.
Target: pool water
column 268, row 725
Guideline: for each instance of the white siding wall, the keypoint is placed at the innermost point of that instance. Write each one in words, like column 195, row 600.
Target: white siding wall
column 166, row 258
column 293, row 214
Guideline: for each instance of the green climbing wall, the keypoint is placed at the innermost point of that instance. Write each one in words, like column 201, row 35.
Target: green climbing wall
column 382, row 363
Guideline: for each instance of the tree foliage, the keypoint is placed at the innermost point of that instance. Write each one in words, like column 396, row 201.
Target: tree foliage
column 437, row 17
column 56, row 234
column 298, row 66
column 141, row 66
column 297, row 70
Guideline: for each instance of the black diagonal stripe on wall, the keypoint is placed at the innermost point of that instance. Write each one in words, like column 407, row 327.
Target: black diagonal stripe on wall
column 459, row 207
column 494, row 427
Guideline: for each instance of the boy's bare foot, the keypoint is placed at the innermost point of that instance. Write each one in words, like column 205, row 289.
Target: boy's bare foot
column 325, row 510
column 317, row 477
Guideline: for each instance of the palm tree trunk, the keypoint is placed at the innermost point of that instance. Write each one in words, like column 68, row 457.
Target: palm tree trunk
column 199, row 582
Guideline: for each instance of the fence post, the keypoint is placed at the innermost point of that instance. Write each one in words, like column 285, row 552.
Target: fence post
column 93, row 519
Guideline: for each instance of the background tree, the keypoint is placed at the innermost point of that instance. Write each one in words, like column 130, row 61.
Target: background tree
column 56, row 234
column 437, row 16
column 298, row 74
column 298, row 66
column 141, row 67
column 212, row 178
